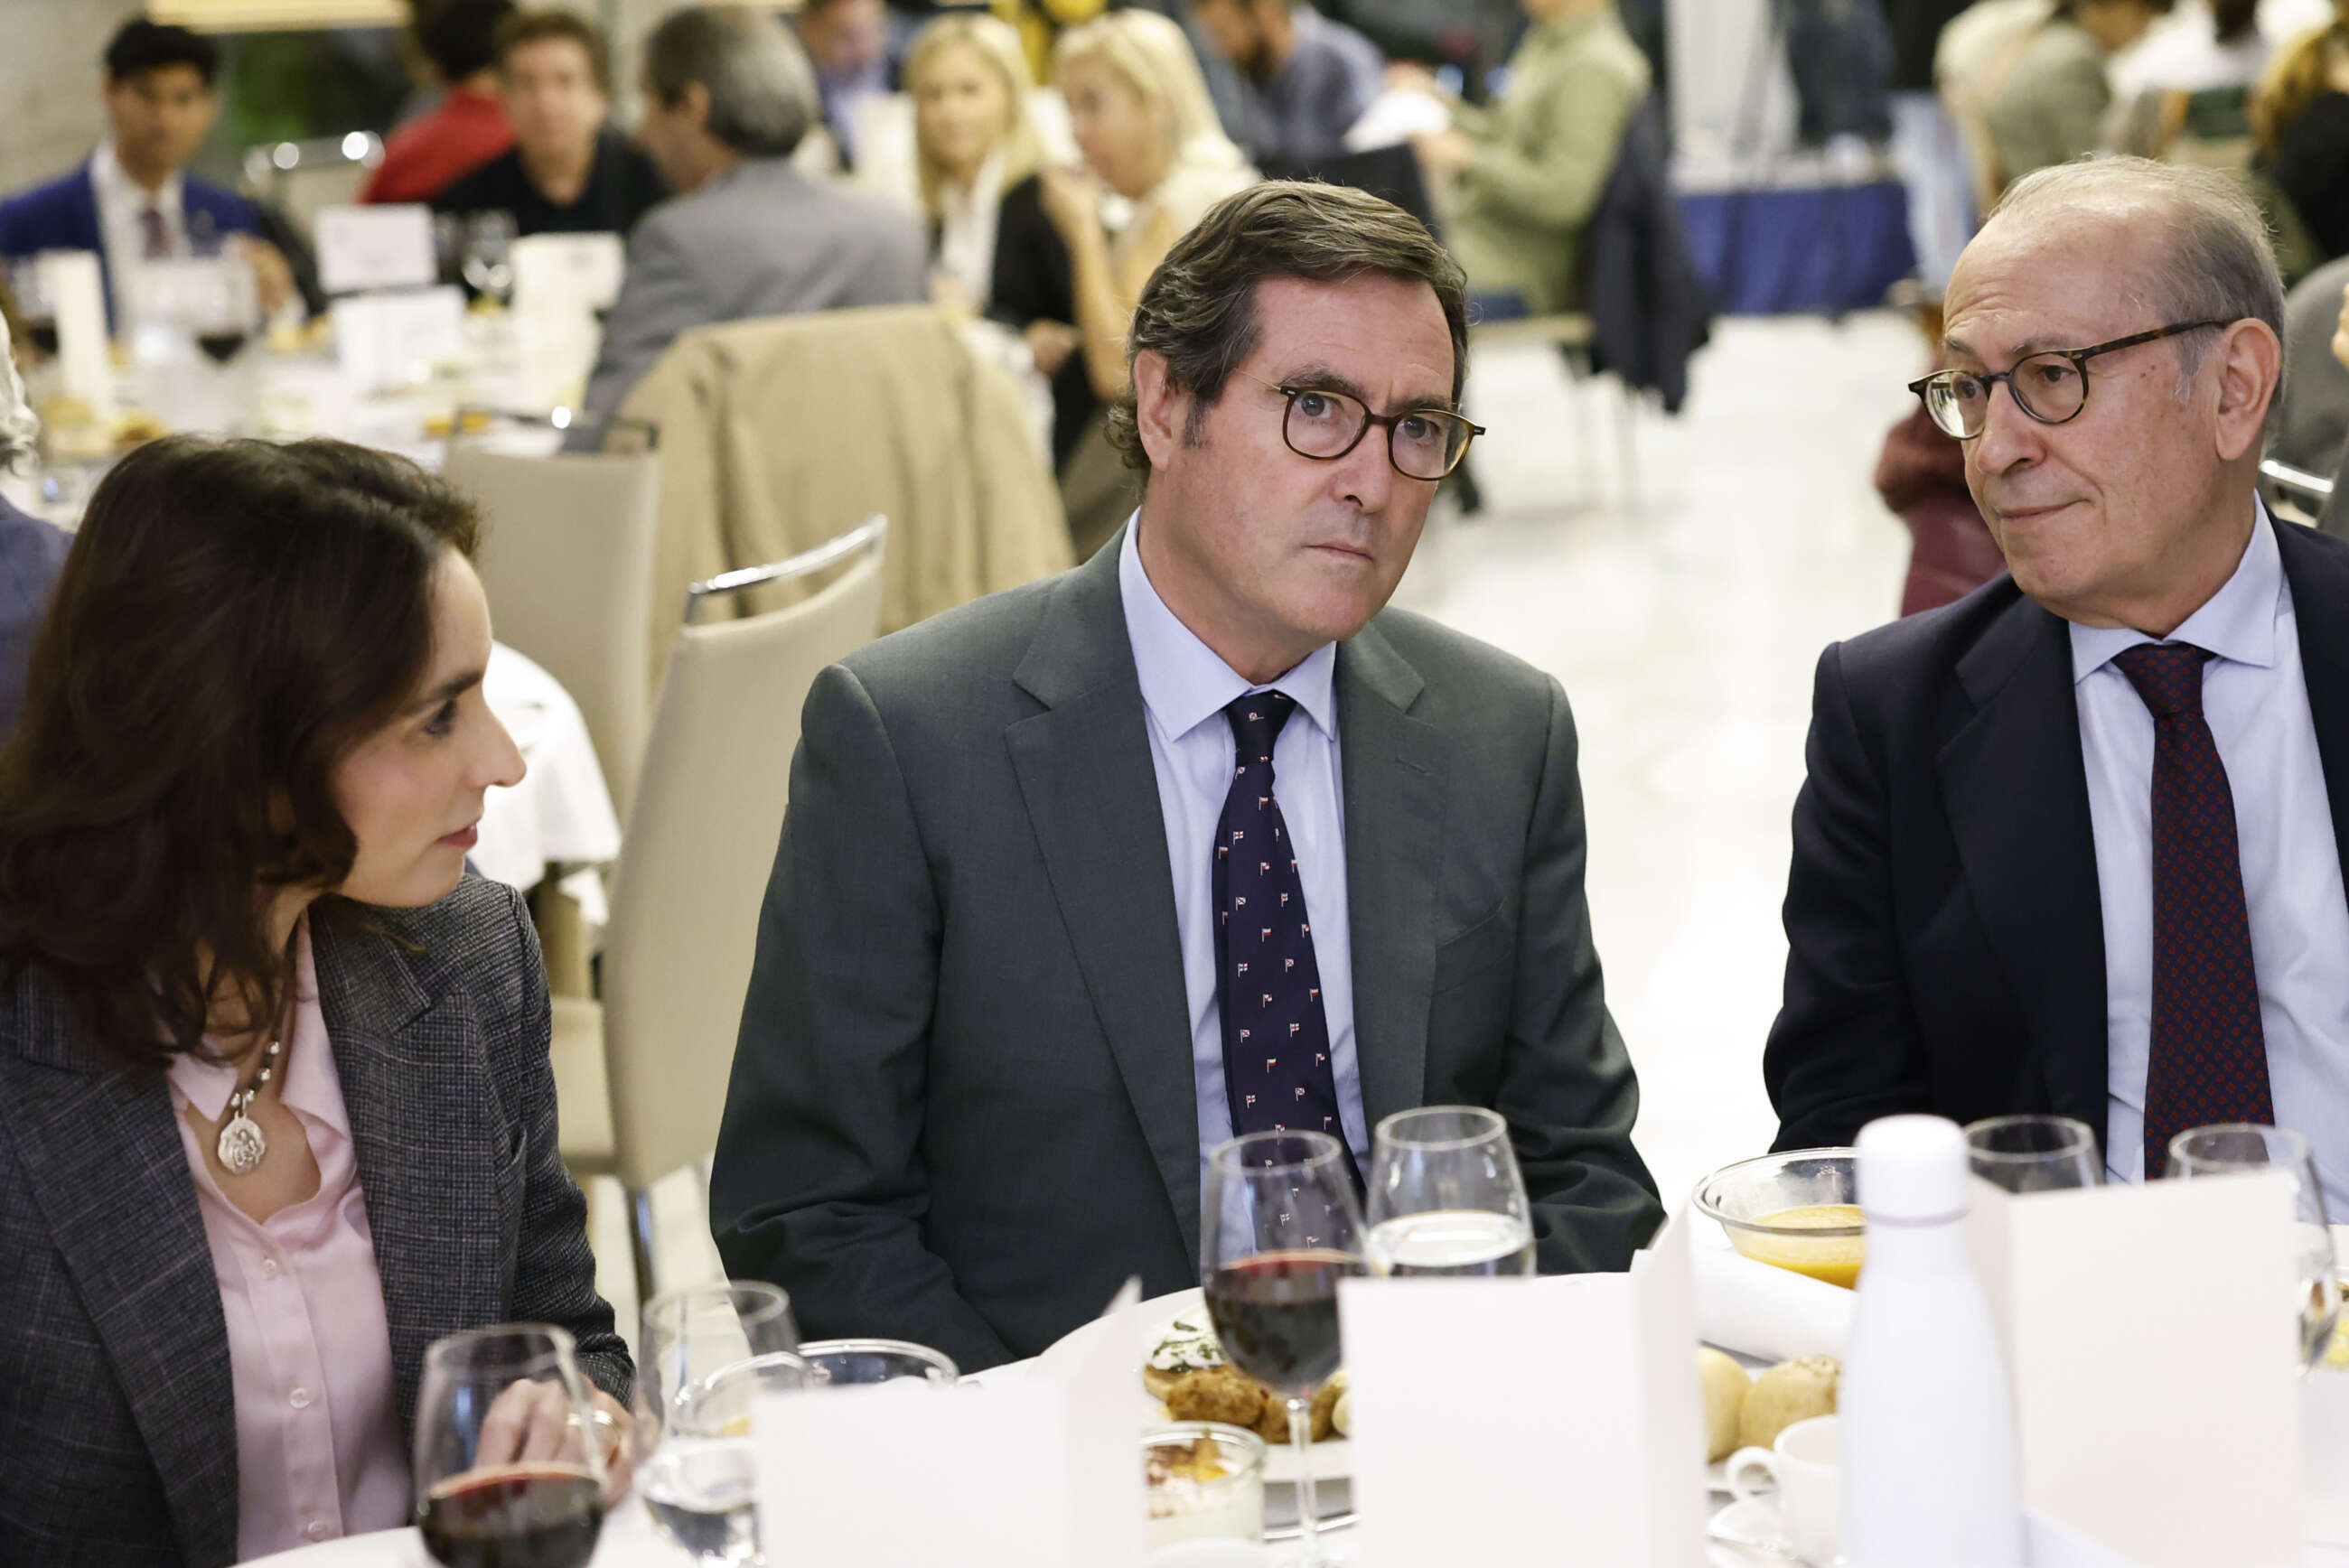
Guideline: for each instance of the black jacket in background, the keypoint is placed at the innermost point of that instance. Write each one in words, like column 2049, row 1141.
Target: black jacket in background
column 622, row 185
column 1916, row 31
column 2311, row 169
column 1640, row 283
column 1034, row 280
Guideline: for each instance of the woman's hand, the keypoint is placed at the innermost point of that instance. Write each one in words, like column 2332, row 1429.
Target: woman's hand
column 534, row 1420
column 1050, row 344
column 1444, row 153
column 1072, row 201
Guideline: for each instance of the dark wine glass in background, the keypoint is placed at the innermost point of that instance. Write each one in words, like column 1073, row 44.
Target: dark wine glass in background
column 1282, row 1229
column 478, row 1503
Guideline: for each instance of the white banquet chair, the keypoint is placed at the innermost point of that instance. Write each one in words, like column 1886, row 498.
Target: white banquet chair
column 694, row 862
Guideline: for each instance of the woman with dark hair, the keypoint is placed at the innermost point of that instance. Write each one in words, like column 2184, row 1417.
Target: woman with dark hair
column 2300, row 114
column 278, row 1107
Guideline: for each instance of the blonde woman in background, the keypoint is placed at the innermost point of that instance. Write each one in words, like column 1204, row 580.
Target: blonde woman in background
column 1139, row 109
column 993, row 250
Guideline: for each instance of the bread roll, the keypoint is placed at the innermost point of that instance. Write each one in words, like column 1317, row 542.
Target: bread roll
column 1789, row 1392
column 1726, row 1382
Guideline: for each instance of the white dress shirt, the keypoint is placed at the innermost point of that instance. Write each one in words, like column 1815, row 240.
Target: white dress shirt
column 966, row 225
column 1184, row 687
column 2255, row 699
column 120, row 200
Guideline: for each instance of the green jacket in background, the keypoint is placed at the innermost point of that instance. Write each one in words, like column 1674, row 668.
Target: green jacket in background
column 1544, row 154
column 2049, row 105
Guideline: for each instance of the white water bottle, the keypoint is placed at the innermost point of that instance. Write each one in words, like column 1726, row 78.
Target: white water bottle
column 1927, row 1431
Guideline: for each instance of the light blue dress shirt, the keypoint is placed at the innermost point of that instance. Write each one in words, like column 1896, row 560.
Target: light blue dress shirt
column 2255, row 698
column 1184, row 687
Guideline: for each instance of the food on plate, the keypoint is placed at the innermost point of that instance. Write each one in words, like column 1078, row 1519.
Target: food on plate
column 1789, row 1392
column 1726, row 1382
column 1217, row 1394
column 1341, row 1414
column 136, row 427
column 1200, row 1483
column 1187, row 1344
column 1837, row 1259
column 1187, row 1369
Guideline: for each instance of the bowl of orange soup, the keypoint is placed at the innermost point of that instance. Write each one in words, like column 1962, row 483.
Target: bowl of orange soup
column 1798, row 1209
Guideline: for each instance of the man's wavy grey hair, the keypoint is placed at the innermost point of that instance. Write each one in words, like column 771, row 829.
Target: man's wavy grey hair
column 2220, row 264
column 19, row 427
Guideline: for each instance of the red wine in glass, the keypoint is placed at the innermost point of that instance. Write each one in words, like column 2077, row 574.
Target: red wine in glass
column 220, row 345
column 1277, row 1314
column 42, row 334
column 514, row 1516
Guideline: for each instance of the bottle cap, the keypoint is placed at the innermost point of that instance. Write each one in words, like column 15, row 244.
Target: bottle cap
column 1913, row 1169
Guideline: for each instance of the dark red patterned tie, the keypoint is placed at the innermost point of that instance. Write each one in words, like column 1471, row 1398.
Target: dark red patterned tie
column 2209, row 1058
column 154, row 236
column 1277, row 1069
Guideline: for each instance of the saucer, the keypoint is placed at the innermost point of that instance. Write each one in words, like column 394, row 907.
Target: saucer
column 1756, row 1537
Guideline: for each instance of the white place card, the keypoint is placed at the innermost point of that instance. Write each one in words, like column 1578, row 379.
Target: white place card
column 2151, row 1345
column 388, row 247
column 76, row 290
column 394, row 339
column 1514, row 1420
column 567, row 275
column 1045, row 1473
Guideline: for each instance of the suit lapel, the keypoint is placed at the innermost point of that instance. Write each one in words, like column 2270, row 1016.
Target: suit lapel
column 2319, row 577
column 1084, row 770
column 1395, row 782
column 2017, row 794
column 104, row 1161
column 426, row 1132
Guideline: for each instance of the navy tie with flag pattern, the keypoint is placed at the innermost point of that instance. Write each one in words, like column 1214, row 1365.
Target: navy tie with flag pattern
column 2209, row 1059
column 1276, row 1068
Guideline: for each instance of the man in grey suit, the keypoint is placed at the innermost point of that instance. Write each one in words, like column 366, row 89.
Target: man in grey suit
column 1003, row 1001
column 727, row 96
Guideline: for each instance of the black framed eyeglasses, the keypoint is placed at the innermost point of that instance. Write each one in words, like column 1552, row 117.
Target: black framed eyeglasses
column 2050, row 386
column 1324, row 424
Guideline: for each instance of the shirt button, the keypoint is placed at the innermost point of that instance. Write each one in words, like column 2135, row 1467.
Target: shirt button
column 299, row 1399
column 316, row 1531
column 269, row 1268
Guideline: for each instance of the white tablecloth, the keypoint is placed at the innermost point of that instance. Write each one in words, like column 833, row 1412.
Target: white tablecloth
column 561, row 812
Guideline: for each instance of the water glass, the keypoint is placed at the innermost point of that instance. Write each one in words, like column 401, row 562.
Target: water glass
column 2034, row 1153
column 2237, row 1146
column 1445, row 1196
column 694, row 1463
column 487, row 261
column 489, row 1397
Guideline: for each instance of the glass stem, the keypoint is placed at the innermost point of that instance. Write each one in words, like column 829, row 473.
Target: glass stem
column 1308, row 1507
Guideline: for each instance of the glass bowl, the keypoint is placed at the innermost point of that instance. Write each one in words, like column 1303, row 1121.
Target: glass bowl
column 1798, row 1209
column 845, row 1362
column 1187, row 1506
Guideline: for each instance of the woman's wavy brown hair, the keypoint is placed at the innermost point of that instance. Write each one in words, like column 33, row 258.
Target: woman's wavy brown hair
column 233, row 619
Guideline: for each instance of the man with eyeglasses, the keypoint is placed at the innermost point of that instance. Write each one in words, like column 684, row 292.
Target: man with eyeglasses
column 2068, row 845
column 1080, row 881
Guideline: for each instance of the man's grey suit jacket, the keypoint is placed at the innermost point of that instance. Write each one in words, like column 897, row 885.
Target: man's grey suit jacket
column 117, row 1402
column 963, row 1110
column 761, row 238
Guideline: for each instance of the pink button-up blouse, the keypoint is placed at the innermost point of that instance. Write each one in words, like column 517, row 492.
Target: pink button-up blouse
column 318, row 1441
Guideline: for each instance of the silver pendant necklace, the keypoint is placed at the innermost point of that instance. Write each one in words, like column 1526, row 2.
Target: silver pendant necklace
column 243, row 1144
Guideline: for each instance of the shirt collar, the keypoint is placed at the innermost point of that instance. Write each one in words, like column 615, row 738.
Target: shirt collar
column 311, row 1086
column 2237, row 623
column 113, row 182
column 1184, row 683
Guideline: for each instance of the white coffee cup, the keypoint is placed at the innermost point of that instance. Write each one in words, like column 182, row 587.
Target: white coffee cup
column 1803, row 1462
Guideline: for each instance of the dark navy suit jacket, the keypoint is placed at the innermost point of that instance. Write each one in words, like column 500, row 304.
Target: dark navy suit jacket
column 31, row 552
column 63, row 216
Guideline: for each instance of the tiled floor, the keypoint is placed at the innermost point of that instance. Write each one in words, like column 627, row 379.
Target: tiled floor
column 1684, row 625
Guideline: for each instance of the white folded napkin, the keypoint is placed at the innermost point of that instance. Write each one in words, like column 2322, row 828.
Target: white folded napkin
column 1758, row 1309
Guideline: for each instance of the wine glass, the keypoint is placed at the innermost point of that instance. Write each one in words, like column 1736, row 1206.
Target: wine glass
column 490, row 1396
column 488, row 260
column 1282, row 1229
column 2034, row 1153
column 1445, row 1197
column 33, row 304
column 2234, row 1146
column 694, row 1461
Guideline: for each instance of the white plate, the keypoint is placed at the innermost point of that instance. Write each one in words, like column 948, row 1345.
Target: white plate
column 1332, row 1460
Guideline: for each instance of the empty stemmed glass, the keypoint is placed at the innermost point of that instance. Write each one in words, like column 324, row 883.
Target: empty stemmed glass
column 2034, row 1153
column 1282, row 1227
column 487, row 261
column 1445, row 1195
column 705, row 1352
column 2235, row 1146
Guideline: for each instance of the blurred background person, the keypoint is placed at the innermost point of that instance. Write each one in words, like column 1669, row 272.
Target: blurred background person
column 1528, row 171
column 1304, row 80
column 727, row 96
column 2028, row 85
column 132, row 200
column 1041, row 24
column 2301, row 116
column 2313, row 426
column 568, row 171
column 1925, row 141
column 847, row 42
column 993, row 250
column 1140, row 111
column 233, row 820
column 468, row 126
column 31, row 550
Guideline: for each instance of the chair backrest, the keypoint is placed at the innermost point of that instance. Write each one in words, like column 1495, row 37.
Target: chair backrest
column 567, row 563
column 699, row 844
